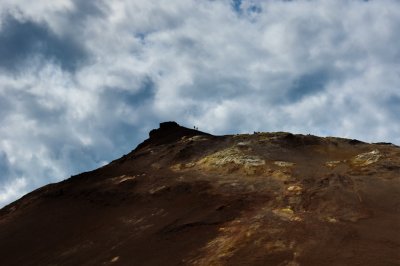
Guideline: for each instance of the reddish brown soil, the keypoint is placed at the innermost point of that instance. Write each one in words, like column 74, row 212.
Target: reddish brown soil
column 184, row 197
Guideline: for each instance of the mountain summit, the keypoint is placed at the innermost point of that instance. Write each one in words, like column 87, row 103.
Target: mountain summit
column 185, row 197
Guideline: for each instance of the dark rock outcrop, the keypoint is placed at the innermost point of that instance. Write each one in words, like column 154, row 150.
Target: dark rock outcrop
column 169, row 132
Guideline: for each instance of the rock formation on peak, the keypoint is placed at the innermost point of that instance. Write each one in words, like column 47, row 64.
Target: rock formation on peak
column 185, row 197
column 169, row 132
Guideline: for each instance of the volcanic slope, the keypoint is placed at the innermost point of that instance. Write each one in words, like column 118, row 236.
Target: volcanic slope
column 184, row 197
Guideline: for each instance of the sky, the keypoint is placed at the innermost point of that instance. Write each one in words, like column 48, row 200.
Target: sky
column 83, row 82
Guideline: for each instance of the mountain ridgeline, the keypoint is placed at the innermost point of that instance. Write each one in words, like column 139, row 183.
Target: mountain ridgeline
column 185, row 197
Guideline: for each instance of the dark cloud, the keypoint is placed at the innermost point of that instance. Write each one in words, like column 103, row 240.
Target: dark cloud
column 6, row 106
column 308, row 84
column 84, row 10
column 236, row 5
column 245, row 7
column 132, row 96
column 24, row 40
column 132, row 102
column 392, row 105
column 4, row 167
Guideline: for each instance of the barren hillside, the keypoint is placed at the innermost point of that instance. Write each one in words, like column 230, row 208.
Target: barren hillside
column 184, row 197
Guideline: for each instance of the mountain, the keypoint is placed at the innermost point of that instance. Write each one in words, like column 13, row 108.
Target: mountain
column 185, row 197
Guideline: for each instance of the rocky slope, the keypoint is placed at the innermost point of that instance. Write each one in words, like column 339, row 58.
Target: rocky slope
column 184, row 197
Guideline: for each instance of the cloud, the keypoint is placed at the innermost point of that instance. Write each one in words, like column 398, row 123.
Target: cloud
column 81, row 83
column 21, row 41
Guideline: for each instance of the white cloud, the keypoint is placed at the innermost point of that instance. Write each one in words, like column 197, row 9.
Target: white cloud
column 12, row 190
column 321, row 67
